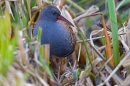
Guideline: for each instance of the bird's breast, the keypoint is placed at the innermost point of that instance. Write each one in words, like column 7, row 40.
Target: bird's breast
column 59, row 36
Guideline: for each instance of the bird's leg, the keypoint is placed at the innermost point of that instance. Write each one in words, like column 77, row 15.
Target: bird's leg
column 61, row 62
column 59, row 68
column 56, row 65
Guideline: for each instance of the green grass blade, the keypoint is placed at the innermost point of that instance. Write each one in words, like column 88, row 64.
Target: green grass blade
column 87, row 51
column 76, row 72
column 113, row 19
column 39, row 34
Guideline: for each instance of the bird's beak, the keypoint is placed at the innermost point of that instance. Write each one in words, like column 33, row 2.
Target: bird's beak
column 60, row 17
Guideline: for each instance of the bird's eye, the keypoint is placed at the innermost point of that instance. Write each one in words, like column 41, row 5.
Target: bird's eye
column 54, row 12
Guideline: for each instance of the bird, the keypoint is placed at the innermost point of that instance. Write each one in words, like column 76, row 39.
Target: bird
column 56, row 31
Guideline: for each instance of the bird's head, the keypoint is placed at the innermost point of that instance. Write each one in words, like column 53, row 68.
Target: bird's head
column 52, row 13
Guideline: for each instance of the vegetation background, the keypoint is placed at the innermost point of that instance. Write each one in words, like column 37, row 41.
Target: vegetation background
column 101, row 57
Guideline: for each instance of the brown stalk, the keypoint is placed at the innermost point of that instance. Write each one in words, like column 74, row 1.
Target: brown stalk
column 46, row 59
column 108, row 45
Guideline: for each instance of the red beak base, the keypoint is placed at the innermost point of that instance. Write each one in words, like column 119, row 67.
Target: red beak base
column 60, row 17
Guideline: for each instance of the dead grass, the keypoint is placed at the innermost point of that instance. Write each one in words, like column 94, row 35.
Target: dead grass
column 91, row 64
